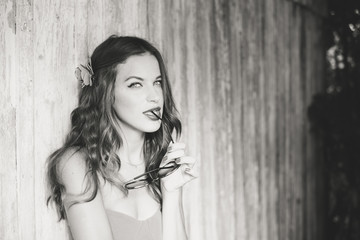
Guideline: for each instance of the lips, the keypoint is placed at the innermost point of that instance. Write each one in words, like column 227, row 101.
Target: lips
column 151, row 115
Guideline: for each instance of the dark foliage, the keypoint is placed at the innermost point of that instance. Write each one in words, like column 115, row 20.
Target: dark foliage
column 335, row 117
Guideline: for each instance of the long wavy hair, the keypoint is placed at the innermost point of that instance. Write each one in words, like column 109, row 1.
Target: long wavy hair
column 94, row 124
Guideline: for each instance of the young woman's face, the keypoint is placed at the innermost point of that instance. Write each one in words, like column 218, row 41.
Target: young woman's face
column 138, row 91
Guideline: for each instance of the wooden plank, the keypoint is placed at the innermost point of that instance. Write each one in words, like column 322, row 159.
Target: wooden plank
column 55, row 95
column 221, row 93
column 313, row 179
column 81, row 49
column 155, row 22
column 9, row 228
column 281, row 123
column 192, row 138
column 271, row 32
column 133, row 17
column 8, row 178
column 237, row 108
column 25, row 121
column 205, row 108
column 296, row 117
column 175, row 51
column 261, row 102
column 250, row 93
column 95, row 23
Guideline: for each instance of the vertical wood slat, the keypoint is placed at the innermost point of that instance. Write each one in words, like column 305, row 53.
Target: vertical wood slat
column 281, row 121
column 262, row 129
column 221, row 93
column 242, row 86
column 313, row 171
column 54, row 96
column 206, row 125
column 236, row 59
column 155, row 22
column 292, row 62
column 250, row 93
column 270, row 91
column 192, row 135
column 25, row 113
column 9, row 227
column 295, row 114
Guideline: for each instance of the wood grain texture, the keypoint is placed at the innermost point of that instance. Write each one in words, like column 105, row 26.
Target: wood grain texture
column 25, row 114
column 9, row 228
column 242, row 72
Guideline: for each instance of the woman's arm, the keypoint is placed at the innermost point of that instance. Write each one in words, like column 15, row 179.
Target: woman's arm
column 171, row 189
column 88, row 220
column 172, row 215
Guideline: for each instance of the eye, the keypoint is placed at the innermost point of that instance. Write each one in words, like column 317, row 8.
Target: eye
column 135, row 85
column 158, row 82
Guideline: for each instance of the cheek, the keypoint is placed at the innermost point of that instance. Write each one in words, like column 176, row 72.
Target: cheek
column 124, row 105
column 120, row 104
column 161, row 94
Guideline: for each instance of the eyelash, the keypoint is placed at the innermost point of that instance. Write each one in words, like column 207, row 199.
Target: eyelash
column 158, row 81
column 133, row 85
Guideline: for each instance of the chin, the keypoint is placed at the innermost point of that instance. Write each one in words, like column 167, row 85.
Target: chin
column 149, row 127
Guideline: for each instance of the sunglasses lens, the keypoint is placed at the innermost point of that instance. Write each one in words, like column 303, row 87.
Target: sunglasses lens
column 152, row 176
column 167, row 169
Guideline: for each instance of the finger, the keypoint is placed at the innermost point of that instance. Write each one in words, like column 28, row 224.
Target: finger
column 172, row 156
column 165, row 161
column 186, row 160
column 192, row 171
column 176, row 154
column 178, row 178
column 175, row 146
column 189, row 165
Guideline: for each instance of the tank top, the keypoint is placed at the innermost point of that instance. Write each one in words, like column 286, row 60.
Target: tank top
column 125, row 227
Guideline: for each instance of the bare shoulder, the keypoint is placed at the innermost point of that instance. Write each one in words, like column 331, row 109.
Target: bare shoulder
column 72, row 157
column 73, row 170
column 87, row 218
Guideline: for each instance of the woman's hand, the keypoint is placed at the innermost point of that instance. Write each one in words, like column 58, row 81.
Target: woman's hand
column 185, row 173
column 171, row 187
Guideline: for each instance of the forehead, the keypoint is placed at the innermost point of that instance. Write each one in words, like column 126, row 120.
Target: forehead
column 144, row 66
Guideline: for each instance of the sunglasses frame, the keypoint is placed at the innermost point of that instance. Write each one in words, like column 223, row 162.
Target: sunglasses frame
column 148, row 180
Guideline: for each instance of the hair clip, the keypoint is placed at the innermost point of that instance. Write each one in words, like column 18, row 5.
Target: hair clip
column 85, row 75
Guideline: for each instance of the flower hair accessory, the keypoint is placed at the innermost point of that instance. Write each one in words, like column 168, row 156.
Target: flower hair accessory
column 85, row 75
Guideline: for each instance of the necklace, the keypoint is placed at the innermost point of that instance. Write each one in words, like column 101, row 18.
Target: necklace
column 134, row 165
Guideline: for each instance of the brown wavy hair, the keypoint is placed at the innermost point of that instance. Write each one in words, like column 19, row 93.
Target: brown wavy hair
column 94, row 127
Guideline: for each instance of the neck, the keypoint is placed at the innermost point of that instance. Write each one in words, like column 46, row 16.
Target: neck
column 131, row 150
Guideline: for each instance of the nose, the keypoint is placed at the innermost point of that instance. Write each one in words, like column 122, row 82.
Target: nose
column 153, row 95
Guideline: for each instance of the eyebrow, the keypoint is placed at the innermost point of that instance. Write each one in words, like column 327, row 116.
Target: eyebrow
column 139, row 78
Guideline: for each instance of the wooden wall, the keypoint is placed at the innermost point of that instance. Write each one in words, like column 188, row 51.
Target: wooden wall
column 243, row 73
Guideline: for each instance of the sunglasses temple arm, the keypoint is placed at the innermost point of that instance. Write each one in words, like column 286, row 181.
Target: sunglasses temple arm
column 164, row 128
column 144, row 174
column 171, row 138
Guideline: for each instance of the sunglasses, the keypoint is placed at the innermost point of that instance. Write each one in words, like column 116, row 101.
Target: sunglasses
column 147, row 178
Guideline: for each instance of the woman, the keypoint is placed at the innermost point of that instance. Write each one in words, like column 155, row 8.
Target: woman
column 118, row 175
